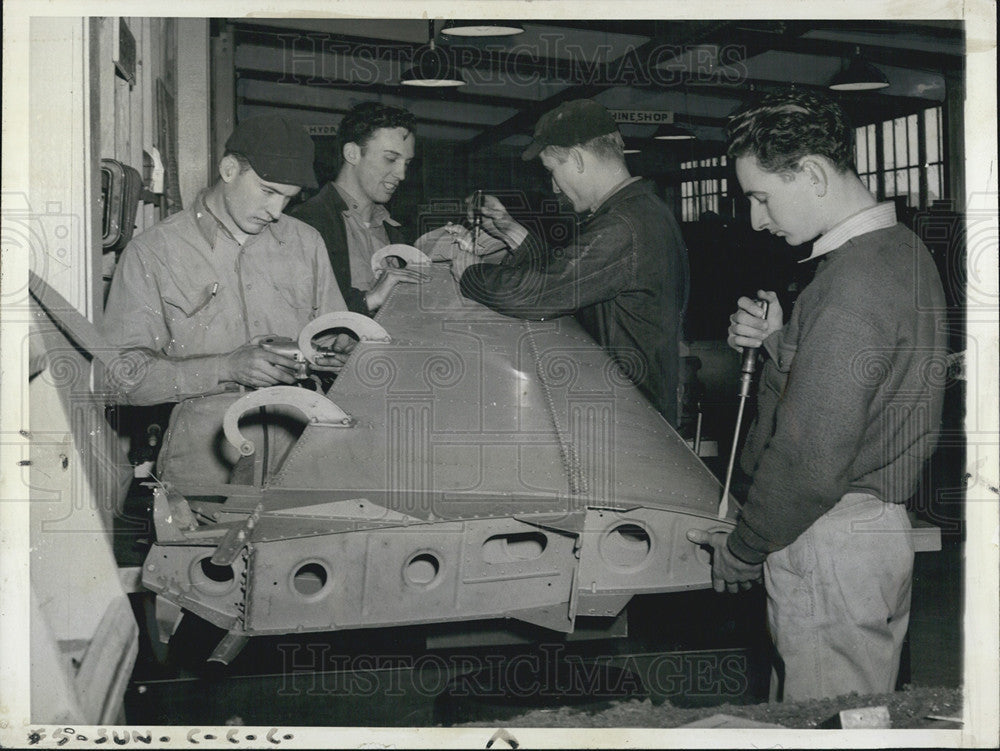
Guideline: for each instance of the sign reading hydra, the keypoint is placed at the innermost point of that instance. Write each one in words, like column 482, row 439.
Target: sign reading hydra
column 321, row 129
column 643, row 117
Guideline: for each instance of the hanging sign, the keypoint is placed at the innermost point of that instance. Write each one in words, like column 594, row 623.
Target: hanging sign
column 642, row 117
column 321, row 130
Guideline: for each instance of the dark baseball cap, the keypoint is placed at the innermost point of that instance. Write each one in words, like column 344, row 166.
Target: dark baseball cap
column 278, row 149
column 570, row 124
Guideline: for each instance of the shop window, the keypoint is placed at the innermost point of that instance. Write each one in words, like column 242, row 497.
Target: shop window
column 904, row 158
column 703, row 187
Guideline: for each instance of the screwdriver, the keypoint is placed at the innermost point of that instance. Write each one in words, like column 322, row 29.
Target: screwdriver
column 746, row 378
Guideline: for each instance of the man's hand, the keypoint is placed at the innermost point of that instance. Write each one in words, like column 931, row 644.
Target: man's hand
column 460, row 261
column 497, row 221
column 377, row 295
column 728, row 571
column 332, row 352
column 256, row 367
column 485, row 245
column 748, row 327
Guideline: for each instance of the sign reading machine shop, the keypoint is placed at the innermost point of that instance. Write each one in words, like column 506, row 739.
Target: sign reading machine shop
column 642, row 117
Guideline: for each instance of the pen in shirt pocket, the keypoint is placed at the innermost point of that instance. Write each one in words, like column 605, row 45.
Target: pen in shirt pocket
column 213, row 290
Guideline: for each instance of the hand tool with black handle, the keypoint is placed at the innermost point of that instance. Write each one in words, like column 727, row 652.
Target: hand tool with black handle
column 746, row 378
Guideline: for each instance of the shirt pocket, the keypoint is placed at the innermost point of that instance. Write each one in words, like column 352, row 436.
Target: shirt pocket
column 299, row 297
column 189, row 312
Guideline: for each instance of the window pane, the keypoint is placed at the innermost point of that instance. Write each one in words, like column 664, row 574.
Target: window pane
column 902, row 187
column 872, row 161
column 915, row 187
column 912, row 140
column 890, row 184
column 933, row 183
column 900, row 138
column 887, row 146
column 861, row 150
column 931, row 123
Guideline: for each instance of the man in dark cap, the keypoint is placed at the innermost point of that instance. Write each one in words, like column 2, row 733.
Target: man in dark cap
column 377, row 144
column 191, row 294
column 624, row 275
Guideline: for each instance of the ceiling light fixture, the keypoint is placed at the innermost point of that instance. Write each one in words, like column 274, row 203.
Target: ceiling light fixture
column 859, row 75
column 672, row 132
column 432, row 67
column 482, row 28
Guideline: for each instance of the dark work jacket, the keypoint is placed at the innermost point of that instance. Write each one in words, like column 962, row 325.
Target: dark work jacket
column 625, row 278
column 325, row 212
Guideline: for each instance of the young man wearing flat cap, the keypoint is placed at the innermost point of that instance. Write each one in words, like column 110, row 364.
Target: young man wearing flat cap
column 625, row 273
column 191, row 293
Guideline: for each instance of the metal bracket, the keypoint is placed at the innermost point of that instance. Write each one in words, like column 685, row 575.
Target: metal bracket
column 413, row 256
column 316, row 407
column 229, row 549
column 363, row 327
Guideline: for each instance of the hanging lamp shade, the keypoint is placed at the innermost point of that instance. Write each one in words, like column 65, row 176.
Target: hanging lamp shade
column 482, row 28
column 672, row 132
column 859, row 75
column 432, row 67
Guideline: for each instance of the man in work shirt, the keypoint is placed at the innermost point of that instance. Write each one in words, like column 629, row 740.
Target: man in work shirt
column 377, row 144
column 625, row 274
column 848, row 410
column 191, row 293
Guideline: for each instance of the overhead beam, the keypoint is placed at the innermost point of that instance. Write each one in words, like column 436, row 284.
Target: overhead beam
column 604, row 78
column 757, row 43
column 253, row 102
column 448, row 95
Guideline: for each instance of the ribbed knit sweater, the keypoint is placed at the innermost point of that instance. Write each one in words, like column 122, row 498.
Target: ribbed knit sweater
column 851, row 391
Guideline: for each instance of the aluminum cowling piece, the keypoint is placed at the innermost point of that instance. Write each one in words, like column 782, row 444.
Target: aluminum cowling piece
column 317, row 408
column 363, row 327
column 413, row 257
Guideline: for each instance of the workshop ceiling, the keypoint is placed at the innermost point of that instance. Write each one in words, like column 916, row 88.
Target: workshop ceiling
column 317, row 69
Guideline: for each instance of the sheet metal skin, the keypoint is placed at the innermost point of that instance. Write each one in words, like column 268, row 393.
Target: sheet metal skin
column 495, row 468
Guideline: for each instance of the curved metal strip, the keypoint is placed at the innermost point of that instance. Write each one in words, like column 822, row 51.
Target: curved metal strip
column 412, row 256
column 363, row 327
column 316, row 407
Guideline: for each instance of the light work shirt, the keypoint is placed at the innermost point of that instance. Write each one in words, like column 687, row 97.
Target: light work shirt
column 364, row 238
column 186, row 293
column 880, row 216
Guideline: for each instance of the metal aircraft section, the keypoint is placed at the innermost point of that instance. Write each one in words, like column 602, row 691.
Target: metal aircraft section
column 486, row 467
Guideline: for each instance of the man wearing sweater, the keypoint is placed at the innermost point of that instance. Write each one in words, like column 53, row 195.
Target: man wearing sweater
column 849, row 406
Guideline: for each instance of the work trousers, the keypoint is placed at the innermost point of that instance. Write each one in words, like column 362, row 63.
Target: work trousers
column 838, row 601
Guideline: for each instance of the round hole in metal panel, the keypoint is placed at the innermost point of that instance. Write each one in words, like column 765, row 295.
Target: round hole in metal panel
column 626, row 546
column 310, row 578
column 211, row 578
column 422, row 570
column 520, row 546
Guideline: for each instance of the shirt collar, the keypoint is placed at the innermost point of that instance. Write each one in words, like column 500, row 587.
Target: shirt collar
column 380, row 214
column 209, row 225
column 880, row 216
column 604, row 199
